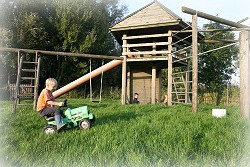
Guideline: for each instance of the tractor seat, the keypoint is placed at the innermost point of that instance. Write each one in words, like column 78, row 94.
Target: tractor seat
column 49, row 118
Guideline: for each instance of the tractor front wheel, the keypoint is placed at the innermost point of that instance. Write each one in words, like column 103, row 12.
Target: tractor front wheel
column 49, row 129
column 84, row 124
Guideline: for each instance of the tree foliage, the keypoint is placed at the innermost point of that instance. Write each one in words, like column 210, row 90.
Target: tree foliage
column 80, row 26
column 216, row 67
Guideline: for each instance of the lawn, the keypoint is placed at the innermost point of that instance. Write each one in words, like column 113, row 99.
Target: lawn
column 129, row 135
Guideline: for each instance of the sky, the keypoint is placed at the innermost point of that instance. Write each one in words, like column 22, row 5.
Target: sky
column 233, row 10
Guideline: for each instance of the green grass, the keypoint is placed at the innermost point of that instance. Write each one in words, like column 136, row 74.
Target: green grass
column 130, row 135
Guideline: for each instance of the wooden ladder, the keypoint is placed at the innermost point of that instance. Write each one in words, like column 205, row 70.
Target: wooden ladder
column 27, row 80
column 179, row 86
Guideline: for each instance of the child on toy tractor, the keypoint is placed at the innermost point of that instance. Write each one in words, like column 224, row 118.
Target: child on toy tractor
column 46, row 103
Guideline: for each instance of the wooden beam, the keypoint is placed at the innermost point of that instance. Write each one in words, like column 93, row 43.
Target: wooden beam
column 194, row 64
column 60, row 53
column 241, row 21
column 213, row 18
column 245, row 74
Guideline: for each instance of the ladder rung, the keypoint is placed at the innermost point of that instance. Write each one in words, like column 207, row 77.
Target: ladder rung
column 26, row 95
column 27, row 86
column 28, row 70
column 179, row 100
column 29, row 62
column 24, row 104
column 178, row 82
column 28, row 78
column 182, row 93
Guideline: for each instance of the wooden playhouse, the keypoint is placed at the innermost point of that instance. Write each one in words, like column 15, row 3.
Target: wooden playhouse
column 151, row 42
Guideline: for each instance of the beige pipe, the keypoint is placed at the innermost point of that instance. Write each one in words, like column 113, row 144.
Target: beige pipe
column 86, row 77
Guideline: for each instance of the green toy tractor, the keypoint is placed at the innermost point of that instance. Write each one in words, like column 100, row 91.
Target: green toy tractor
column 72, row 117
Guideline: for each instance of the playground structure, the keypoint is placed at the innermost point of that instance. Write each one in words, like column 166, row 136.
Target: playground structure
column 154, row 38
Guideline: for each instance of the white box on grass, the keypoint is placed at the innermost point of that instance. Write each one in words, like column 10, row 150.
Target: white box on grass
column 219, row 113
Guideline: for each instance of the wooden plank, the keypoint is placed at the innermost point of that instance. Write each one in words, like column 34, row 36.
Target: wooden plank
column 155, row 58
column 195, row 64
column 28, row 70
column 146, row 52
column 146, row 36
column 245, row 74
column 146, row 44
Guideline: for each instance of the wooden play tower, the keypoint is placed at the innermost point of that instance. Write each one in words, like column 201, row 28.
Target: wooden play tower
column 150, row 45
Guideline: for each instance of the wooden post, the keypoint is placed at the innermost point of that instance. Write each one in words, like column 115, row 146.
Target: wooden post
column 37, row 75
column 124, row 71
column 16, row 95
column 128, row 85
column 245, row 73
column 160, row 86
column 153, row 88
column 195, row 64
column 170, row 66
column 187, row 84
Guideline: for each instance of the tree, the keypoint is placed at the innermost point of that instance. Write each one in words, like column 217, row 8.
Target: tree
column 70, row 26
column 216, row 68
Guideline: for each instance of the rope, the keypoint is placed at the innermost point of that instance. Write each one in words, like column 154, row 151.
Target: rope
column 182, row 40
column 181, row 30
column 218, row 48
column 182, row 49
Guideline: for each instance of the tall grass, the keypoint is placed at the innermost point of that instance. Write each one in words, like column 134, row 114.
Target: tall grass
column 130, row 135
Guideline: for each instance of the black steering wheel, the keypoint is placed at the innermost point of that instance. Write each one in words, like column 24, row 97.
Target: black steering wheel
column 64, row 103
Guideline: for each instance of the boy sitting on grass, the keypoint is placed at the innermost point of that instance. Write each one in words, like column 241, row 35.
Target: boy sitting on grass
column 46, row 103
